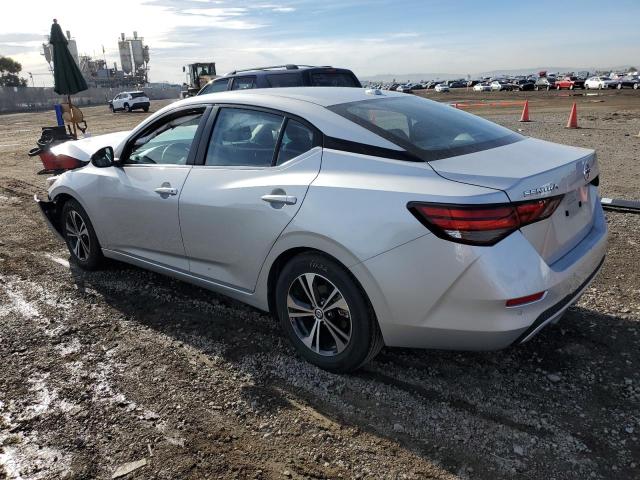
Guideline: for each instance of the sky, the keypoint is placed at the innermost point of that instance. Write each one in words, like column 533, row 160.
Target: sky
column 371, row 37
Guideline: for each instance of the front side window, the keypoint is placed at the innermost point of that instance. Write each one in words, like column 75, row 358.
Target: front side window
column 296, row 140
column 244, row 138
column 427, row 129
column 243, row 83
column 167, row 144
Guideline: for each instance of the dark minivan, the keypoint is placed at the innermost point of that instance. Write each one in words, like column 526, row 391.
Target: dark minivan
column 283, row 76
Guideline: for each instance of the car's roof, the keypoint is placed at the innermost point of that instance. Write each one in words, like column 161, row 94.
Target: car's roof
column 280, row 69
column 323, row 96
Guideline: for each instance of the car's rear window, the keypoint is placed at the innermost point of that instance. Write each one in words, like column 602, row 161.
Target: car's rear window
column 333, row 79
column 138, row 94
column 284, row 80
column 429, row 130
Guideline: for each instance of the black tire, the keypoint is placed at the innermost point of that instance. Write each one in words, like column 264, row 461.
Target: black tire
column 87, row 255
column 127, row 108
column 619, row 87
column 365, row 339
column 636, row 86
column 548, row 88
column 145, row 109
column 113, row 110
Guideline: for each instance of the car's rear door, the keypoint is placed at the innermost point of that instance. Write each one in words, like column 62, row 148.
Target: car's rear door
column 249, row 184
column 137, row 203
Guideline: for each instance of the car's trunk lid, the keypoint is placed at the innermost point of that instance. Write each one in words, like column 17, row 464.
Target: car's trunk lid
column 532, row 169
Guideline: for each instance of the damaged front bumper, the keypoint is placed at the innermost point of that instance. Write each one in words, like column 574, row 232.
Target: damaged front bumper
column 50, row 214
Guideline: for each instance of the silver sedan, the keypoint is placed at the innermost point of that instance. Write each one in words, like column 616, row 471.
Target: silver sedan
column 359, row 218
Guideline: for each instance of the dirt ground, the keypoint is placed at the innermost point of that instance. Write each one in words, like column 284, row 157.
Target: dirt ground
column 101, row 369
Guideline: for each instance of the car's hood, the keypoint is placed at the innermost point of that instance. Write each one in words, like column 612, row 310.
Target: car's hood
column 83, row 149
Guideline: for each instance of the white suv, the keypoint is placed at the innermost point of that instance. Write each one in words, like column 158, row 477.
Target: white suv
column 129, row 101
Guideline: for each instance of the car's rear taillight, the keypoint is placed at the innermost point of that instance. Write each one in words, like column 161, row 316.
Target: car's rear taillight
column 481, row 224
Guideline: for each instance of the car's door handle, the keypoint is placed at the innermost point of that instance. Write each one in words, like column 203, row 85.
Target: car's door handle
column 284, row 199
column 166, row 191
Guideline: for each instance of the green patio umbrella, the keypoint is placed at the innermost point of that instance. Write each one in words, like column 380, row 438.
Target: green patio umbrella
column 67, row 76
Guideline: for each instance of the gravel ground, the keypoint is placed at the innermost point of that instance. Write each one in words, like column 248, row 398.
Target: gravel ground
column 123, row 365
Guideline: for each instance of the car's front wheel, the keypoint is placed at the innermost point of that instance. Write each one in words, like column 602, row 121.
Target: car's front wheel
column 80, row 236
column 325, row 314
column 127, row 108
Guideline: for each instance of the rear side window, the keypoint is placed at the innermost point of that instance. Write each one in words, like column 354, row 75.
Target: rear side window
column 427, row 129
column 333, row 79
column 284, row 80
column 244, row 138
column 243, row 83
column 219, row 86
column 296, row 140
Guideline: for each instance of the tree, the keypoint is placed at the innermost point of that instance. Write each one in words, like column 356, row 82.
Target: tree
column 9, row 70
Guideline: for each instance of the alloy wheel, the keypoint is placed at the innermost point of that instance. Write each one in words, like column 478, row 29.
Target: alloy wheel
column 78, row 235
column 319, row 314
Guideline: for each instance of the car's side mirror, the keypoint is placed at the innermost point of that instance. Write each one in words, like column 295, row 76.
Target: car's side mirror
column 103, row 158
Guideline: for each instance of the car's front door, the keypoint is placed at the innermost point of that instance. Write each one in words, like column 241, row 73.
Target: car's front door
column 251, row 182
column 139, row 200
column 117, row 102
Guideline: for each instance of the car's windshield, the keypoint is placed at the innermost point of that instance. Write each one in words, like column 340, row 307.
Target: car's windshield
column 427, row 129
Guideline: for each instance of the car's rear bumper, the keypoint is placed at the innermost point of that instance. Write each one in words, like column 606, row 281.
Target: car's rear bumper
column 49, row 213
column 431, row 293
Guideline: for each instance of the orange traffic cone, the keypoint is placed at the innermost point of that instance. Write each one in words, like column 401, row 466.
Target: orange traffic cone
column 525, row 112
column 573, row 117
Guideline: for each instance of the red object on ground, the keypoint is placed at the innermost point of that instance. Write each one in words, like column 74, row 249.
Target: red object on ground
column 573, row 117
column 525, row 112
column 59, row 162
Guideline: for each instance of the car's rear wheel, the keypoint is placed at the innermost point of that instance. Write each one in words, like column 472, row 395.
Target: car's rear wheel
column 80, row 236
column 325, row 314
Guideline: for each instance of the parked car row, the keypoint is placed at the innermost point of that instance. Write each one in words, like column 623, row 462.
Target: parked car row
column 543, row 81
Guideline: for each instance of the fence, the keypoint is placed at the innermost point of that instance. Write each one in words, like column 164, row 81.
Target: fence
column 28, row 99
